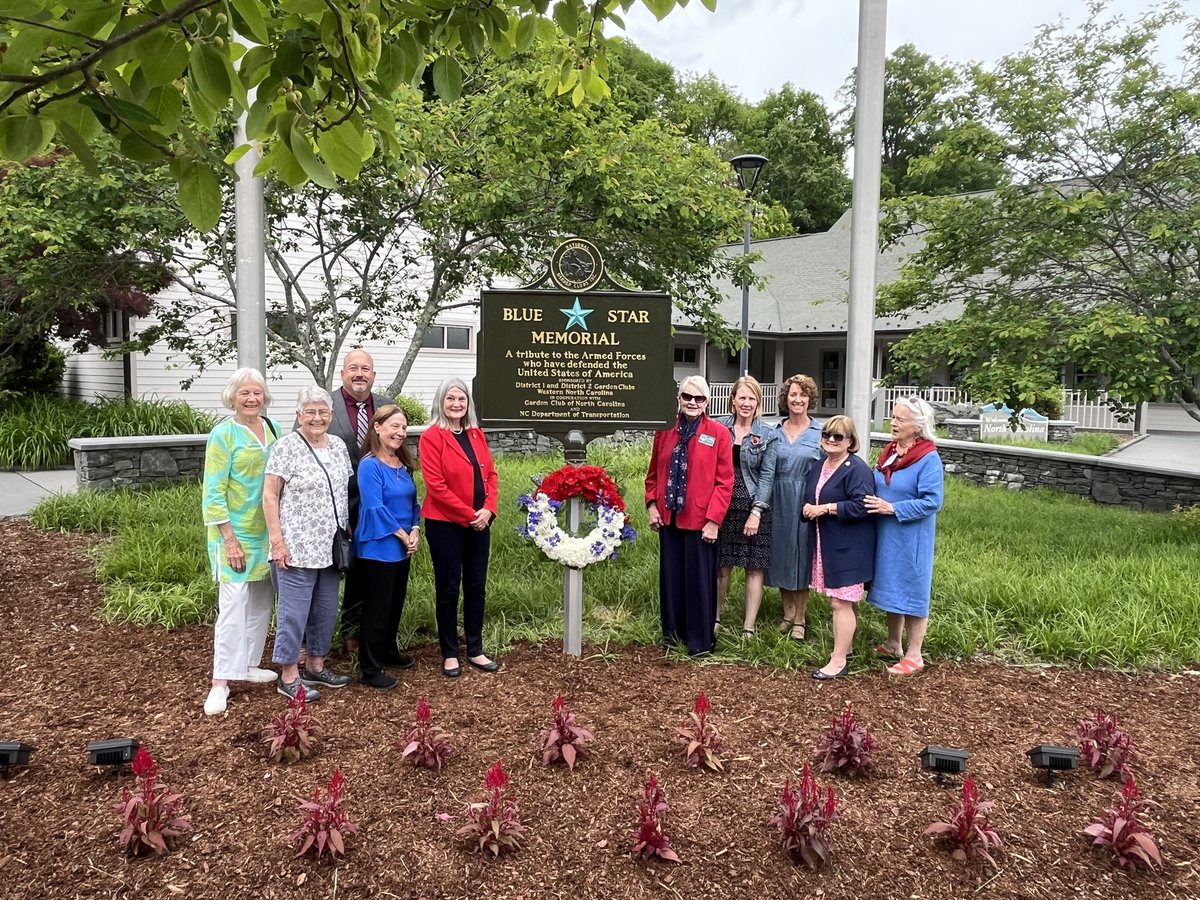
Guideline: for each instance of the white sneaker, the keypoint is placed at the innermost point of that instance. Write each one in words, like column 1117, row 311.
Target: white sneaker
column 217, row 699
column 260, row 676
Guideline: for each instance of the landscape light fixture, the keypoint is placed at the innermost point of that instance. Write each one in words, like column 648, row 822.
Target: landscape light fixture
column 748, row 167
column 115, row 752
column 944, row 761
column 1053, row 759
column 13, row 754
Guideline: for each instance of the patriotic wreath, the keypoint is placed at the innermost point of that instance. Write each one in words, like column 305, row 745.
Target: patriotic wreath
column 604, row 505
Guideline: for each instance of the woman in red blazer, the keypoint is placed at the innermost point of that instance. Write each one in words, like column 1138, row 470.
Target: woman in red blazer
column 688, row 489
column 460, row 503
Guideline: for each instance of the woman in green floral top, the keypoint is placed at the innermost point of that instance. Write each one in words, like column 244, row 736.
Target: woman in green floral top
column 234, row 466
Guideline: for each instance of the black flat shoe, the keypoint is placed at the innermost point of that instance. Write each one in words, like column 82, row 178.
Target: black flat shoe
column 380, row 680
column 399, row 660
column 825, row 676
column 452, row 673
column 491, row 666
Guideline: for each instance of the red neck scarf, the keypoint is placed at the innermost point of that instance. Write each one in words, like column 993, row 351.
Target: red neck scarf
column 915, row 452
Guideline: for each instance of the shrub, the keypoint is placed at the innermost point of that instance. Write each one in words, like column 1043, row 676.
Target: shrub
column 291, row 736
column 427, row 744
column 36, row 366
column 803, row 819
column 564, row 739
column 1105, row 747
column 493, row 822
column 150, row 820
column 702, row 742
column 324, row 824
column 846, row 746
column 650, row 839
column 1120, row 831
column 967, row 828
column 415, row 411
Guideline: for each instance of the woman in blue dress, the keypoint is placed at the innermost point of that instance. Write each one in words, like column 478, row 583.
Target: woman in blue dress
column 796, row 451
column 908, row 495
column 387, row 535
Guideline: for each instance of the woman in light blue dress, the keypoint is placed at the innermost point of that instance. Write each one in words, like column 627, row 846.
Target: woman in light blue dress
column 797, row 451
column 908, row 495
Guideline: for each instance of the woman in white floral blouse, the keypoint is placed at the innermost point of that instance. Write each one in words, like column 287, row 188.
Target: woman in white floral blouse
column 304, row 497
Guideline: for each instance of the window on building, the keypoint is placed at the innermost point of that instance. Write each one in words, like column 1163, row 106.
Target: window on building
column 685, row 356
column 114, row 326
column 447, row 337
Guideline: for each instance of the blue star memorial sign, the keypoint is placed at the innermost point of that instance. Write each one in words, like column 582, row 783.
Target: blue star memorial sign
column 576, row 316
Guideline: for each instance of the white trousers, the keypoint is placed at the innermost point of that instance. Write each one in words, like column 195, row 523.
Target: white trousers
column 243, row 617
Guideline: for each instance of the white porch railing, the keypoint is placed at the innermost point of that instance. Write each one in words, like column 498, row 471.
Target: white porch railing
column 1092, row 414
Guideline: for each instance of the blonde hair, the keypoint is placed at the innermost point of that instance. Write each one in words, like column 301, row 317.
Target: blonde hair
column 807, row 386
column 845, row 425
column 747, row 381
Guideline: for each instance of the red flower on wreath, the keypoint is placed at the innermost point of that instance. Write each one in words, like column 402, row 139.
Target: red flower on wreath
column 589, row 482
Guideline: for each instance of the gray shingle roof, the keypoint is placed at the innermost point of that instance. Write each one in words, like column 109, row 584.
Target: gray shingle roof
column 808, row 279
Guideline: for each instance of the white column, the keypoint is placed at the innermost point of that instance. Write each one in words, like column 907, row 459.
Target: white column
column 251, row 290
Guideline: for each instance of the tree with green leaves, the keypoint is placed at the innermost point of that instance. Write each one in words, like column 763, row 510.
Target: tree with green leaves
column 317, row 77
column 928, row 107
column 76, row 245
column 508, row 171
column 1088, row 251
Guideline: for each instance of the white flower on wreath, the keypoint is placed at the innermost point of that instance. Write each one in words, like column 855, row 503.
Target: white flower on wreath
column 601, row 543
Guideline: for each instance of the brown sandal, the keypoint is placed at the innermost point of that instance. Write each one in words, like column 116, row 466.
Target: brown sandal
column 803, row 632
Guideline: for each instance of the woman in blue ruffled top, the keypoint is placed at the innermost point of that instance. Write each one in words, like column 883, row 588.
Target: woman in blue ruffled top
column 388, row 533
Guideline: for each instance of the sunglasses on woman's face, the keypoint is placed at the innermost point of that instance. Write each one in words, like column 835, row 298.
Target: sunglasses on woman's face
column 692, row 398
column 833, row 437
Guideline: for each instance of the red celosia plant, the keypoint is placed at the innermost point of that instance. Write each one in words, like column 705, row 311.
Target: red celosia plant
column 325, row 824
column 1121, row 832
column 846, row 746
column 803, row 819
column 291, row 736
column 968, row 827
column 564, row 739
column 1105, row 747
column 651, row 839
column 150, row 820
column 702, row 743
column 427, row 744
column 493, row 821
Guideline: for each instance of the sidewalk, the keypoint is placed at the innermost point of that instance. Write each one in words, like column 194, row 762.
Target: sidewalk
column 20, row 492
column 1177, row 451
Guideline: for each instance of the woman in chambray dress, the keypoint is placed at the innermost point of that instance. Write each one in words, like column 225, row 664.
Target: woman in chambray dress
column 796, row 452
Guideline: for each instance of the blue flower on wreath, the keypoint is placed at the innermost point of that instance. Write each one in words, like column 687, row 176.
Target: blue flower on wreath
column 553, row 540
column 628, row 533
column 598, row 548
column 525, row 501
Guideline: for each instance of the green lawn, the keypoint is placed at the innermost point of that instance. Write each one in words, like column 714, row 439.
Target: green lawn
column 1019, row 576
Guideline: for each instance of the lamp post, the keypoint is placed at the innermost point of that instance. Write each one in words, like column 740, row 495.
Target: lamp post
column 748, row 168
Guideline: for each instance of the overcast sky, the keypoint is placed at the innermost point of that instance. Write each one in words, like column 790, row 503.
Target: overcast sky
column 756, row 46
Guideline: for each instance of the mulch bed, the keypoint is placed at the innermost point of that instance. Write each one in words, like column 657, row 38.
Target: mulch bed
column 69, row 679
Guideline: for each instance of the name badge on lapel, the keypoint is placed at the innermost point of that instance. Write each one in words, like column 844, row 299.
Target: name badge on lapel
column 708, row 440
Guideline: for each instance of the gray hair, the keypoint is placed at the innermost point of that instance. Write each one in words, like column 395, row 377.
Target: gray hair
column 697, row 384
column 313, row 394
column 922, row 413
column 237, row 379
column 438, row 417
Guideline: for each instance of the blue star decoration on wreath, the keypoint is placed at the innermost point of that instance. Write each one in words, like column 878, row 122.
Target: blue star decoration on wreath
column 576, row 316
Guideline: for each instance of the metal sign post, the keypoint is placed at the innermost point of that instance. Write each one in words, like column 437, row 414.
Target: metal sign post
column 566, row 360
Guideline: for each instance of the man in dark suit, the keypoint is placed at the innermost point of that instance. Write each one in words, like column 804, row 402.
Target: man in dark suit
column 354, row 406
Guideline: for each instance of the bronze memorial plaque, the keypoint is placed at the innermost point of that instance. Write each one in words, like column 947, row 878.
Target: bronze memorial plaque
column 597, row 361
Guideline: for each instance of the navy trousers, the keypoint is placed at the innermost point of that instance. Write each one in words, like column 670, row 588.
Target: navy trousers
column 687, row 585
column 460, row 560
column 385, row 587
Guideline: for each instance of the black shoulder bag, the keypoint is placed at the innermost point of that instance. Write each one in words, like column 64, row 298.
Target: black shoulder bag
column 343, row 550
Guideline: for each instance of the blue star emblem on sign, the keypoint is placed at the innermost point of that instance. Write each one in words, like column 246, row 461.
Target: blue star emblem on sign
column 576, row 316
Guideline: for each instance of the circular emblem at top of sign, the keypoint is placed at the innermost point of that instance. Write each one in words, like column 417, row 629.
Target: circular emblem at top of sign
column 576, row 265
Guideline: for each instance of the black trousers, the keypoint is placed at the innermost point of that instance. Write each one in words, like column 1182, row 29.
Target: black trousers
column 460, row 560
column 352, row 601
column 384, row 586
column 687, row 585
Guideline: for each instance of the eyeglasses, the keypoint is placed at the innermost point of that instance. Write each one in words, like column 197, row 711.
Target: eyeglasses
column 316, row 413
column 692, row 398
column 832, row 436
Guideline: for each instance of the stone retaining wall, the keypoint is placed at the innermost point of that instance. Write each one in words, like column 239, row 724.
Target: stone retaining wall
column 1099, row 478
column 104, row 463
